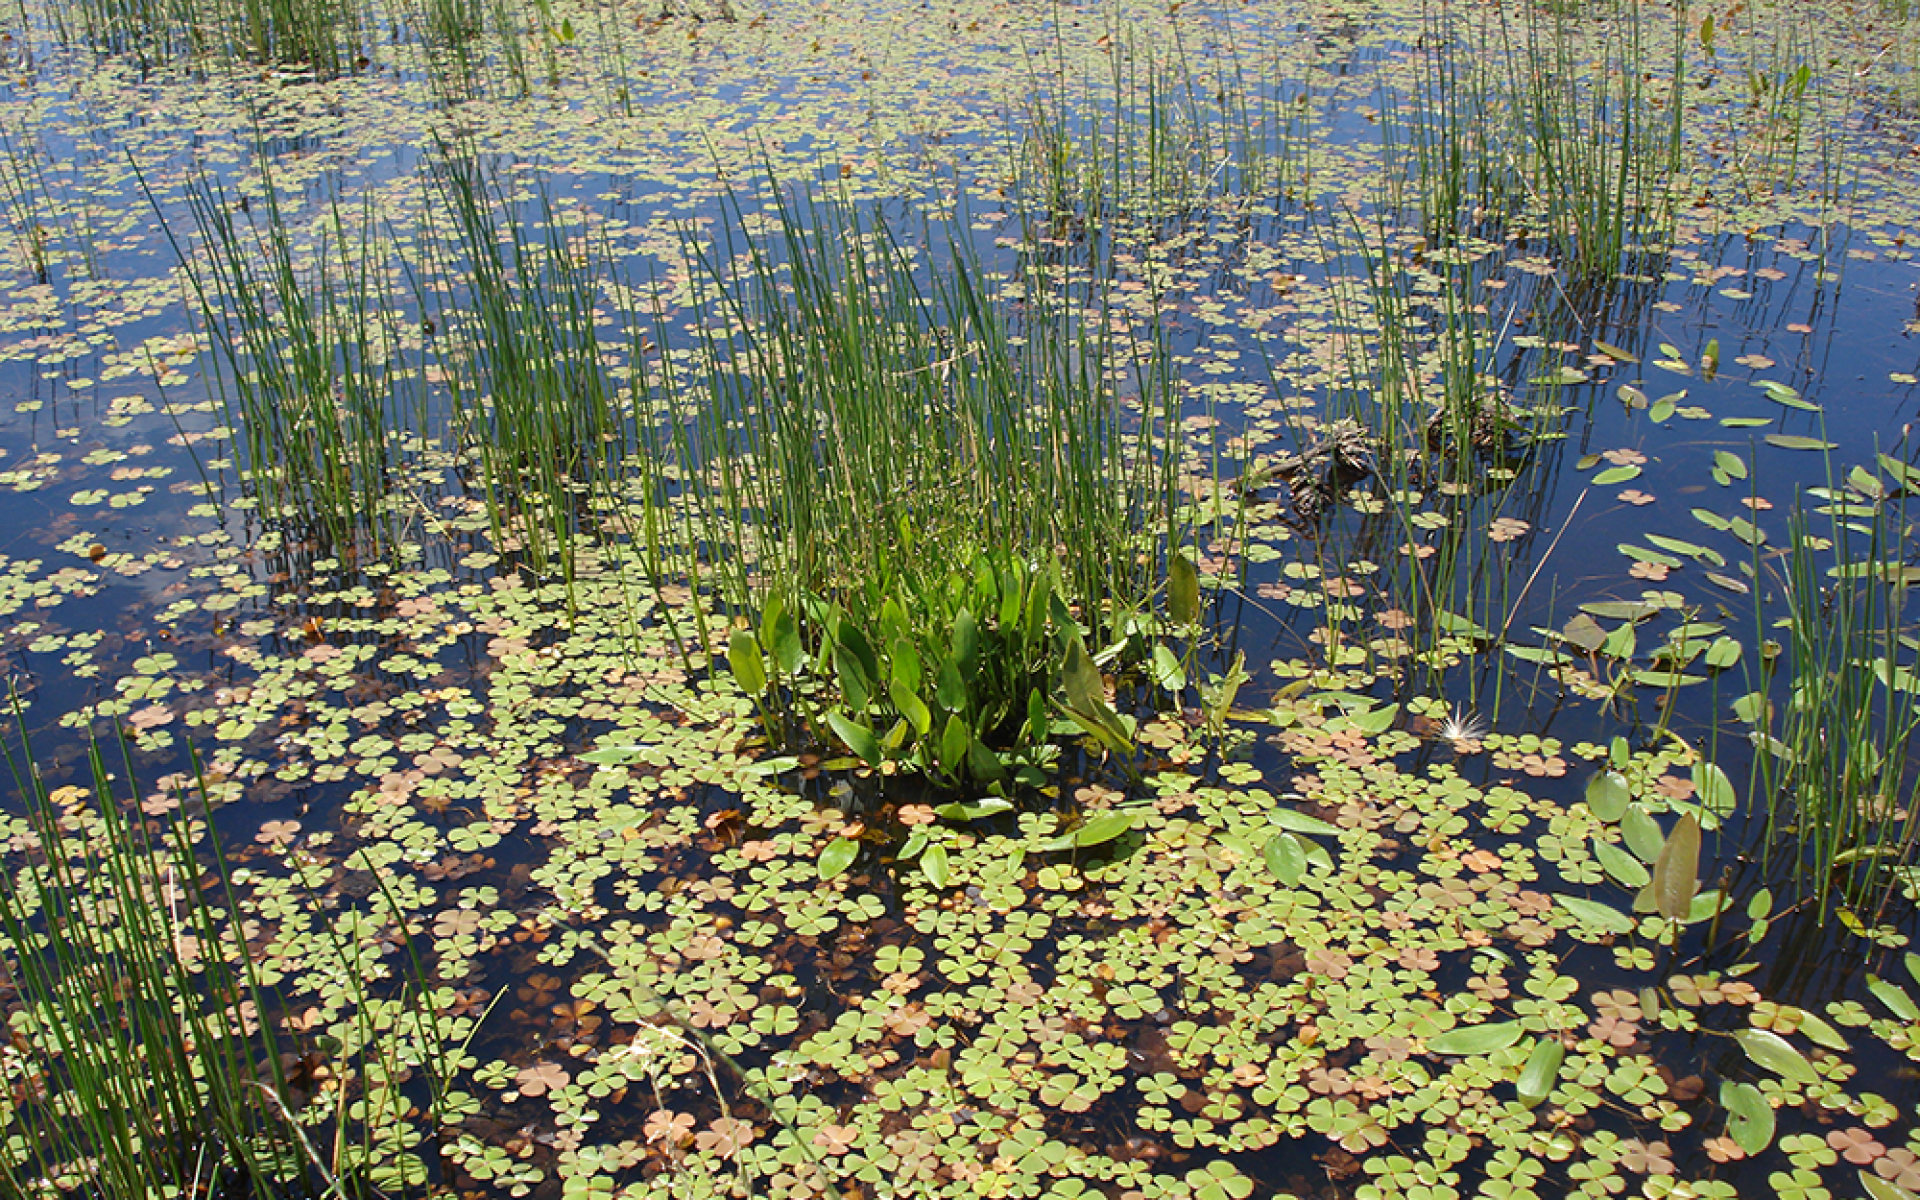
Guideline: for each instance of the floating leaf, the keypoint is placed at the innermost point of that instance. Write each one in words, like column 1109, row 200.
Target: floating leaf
column 1894, row 997
column 973, row 810
column 1541, row 1072
column 934, row 863
column 1614, row 352
column 1750, row 1120
column 1613, row 475
column 1642, row 833
column 1608, row 796
column 1605, row 918
column 1585, row 632
column 1730, row 464
column 1676, row 870
column 1478, row 1039
column 1286, row 857
column 1773, row 1052
column 1724, row 653
column 1299, row 822
column 1885, row 1189
column 1794, row 441
column 1625, row 869
column 1167, row 672
column 1103, row 828
column 837, row 857
column 1819, row 1032
column 1714, row 789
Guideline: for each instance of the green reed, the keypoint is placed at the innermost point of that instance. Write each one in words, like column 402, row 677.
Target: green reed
column 1837, row 767
column 327, row 35
column 305, row 358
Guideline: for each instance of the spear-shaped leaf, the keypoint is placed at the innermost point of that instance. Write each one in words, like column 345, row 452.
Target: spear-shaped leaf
column 1183, row 589
column 1676, row 870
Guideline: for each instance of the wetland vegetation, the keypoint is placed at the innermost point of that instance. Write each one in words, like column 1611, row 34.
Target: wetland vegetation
column 986, row 600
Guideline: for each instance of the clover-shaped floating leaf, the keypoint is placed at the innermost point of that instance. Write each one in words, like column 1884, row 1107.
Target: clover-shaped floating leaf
column 1478, row 1039
column 1541, row 1072
column 1600, row 916
column 1773, row 1052
column 1750, row 1120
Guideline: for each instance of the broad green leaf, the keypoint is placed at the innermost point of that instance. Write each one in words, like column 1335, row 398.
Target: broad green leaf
column 1894, row 997
column 1710, row 359
column 1885, row 1189
column 1730, row 464
column 1585, row 632
column 1750, row 1120
column 1600, row 916
column 965, row 643
column 749, row 669
column 1631, row 396
column 1760, row 904
column 1723, row 653
column 1541, row 1072
column 838, row 855
column 1102, row 828
column 1477, row 1039
column 973, row 810
column 1676, row 870
column 911, row 706
column 1625, row 869
column 1746, row 531
column 1820, row 1033
column 1183, row 589
column 1286, row 857
column 1773, row 1052
column 856, row 685
column 858, row 738
column 1613, row 475
column 1714, row 790
column 905, row 664
column 1299, row 822
column 1642, row 833
column 613, row 756
column 1794, row 441
column 1608, row 796
column 1780, row 393
column 953, row 746
column 1912, row 962
column 781, row 636
column 1908, row 477
column 1167, row 673
column 916, row 842
column 1081, row 680
column 934, row 863
column 1615, row 353
column 1619, row 610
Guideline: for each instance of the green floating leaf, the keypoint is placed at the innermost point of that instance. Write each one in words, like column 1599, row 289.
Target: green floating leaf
column 1615, row 353
column 1608, row 796
column 1714, row 789
column 1642, row 833
column 1676, row 870
column 1286, row 857
column 1541, row 1071
column 934, row 863
column 1913, row 966
column 1478, row 1039
column 1602, row 917
column 1885, row 1189
column 1723, row 653
column 1780, row 393
column 1619, row 610
column 1750, row 1120
column 1894, row 997
column 1820, row 1033
column 613, row 756
column 1771, row 1051
column 1730, row 464
column 1613, row 475
column 973, row 810
column 1625, row 869
column 1908, row 477
column 1299, row 822
column 1794, row 441
column 837, row 857
column 1102, row 828
column 1166, row 669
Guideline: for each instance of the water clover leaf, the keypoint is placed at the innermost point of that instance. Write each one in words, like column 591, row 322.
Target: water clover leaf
column 1750, row 1120
column 1894, row 997
column 1605, row 918
column 1608, row 796
column 1676, row 868
column 1541, row 1072
column 837, row 857
column 1478, row 1039
column 1773, row 1052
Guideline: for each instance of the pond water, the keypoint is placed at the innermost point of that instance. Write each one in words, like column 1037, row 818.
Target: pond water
column 1525, row 807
